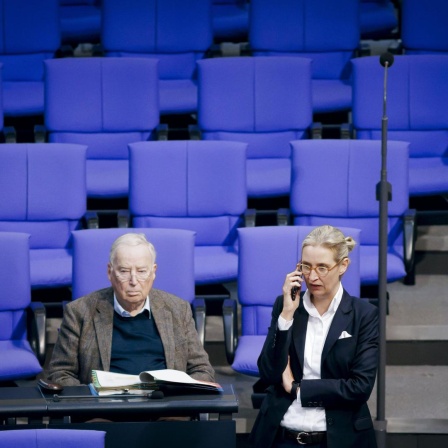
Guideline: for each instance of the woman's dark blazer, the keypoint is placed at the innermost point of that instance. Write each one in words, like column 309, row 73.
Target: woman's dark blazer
column 348, row 370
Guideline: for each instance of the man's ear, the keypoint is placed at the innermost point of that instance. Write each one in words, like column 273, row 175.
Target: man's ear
column 154, row 269
column 109, row 271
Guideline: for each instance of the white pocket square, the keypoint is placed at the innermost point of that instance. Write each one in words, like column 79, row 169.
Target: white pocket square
column 344, row 335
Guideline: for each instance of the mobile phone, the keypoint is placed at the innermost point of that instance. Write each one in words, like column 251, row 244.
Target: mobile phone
column 295, row 289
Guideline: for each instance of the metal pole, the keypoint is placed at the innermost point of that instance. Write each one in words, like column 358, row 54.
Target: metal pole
column 384, row 193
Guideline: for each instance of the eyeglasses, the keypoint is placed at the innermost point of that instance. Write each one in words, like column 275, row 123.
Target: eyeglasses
column 125, row 275
column 321, row 271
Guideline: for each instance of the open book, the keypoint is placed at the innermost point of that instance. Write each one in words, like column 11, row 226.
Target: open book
column 110, row 383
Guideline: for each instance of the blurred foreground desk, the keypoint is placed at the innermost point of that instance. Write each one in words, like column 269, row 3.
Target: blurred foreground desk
column 135, row 419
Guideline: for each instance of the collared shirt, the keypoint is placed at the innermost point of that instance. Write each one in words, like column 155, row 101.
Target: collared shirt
column 123, row 313
column 297, row 417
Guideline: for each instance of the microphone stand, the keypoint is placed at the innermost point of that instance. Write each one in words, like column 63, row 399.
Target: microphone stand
column 383, row 195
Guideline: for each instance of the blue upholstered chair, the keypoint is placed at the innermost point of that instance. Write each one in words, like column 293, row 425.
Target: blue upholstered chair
column 326, row 31
column 230, row 20
column 104, row 103
column 423, row 26
column 80, row 21
column 264, row 102
column 19, row 361
column 176, row 32
column 417, row 95
column 43, row 193
column 29, row 34
column 175, row 263
column 193, row 185
column 334, row 182
column 266, row 255
column 52, row 438
column 378, row 18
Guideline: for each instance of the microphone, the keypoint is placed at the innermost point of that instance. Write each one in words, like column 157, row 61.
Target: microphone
column 387, row 58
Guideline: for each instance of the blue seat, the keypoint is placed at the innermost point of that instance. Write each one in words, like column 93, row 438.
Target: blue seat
column 266, row 255
column 19, row 361
column 104, row 103
column 230, row 20
column 176, row 32
column 326, row 31
column 378, row 18
column 264, row 102
column 193, row 185
column 416, row 108
column 175, row 263
column 334, row 182
column 29, row 34
column 51, row 438
column 423, row 27
column 80, row 21
column 43, row 193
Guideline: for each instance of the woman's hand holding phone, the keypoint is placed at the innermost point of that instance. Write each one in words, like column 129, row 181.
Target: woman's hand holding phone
column 291, row 293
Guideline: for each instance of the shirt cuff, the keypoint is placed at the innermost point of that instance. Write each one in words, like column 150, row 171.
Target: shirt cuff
column 284, row 324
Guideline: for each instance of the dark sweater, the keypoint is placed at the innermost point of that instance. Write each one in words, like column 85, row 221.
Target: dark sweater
column 136, row 345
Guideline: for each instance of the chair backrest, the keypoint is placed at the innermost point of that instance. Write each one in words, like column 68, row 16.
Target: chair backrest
column 378, row 19
column 192, row 185
column 102, row 102
column 50, row 438
column 175, row 260
column 176, row 32
column 15, row 295
column 30, row 34
column 324, row 30
column 80, row 21
column 423, row 26
column 264, row 101
column 42, row 191
column 417, row 94
column 266, row 255
column 334, row 182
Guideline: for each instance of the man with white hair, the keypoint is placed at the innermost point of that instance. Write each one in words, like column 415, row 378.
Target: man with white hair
column 128, row 327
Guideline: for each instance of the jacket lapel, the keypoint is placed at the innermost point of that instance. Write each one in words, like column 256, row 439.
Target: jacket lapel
column 103, row 322
column 299, row 333
column 340, row 322
column 164, row 324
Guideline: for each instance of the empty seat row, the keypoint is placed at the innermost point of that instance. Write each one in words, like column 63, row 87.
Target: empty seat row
column 178, row 34
column 200, row 186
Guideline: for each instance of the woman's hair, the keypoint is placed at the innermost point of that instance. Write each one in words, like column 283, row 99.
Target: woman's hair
column 131, row 239
column 331, row 238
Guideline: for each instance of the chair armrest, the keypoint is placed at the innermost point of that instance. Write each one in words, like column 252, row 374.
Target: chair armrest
column 10, row 134
column 283, row 216
column 40, row 133
column 194, row 132
column 91, row 220
column 65, row 51
column 409, row 238
column 345, row 132
column 198, row 307
column 161, row 132
column 37, row 319
column 230, row 324
column 123, row 219
column 316, row 131
column 396, row 47
column 250, row 217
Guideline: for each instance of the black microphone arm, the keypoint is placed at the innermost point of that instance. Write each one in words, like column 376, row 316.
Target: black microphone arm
column 383, row 195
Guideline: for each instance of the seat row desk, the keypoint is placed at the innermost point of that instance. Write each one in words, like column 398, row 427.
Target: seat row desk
column 131, row 421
